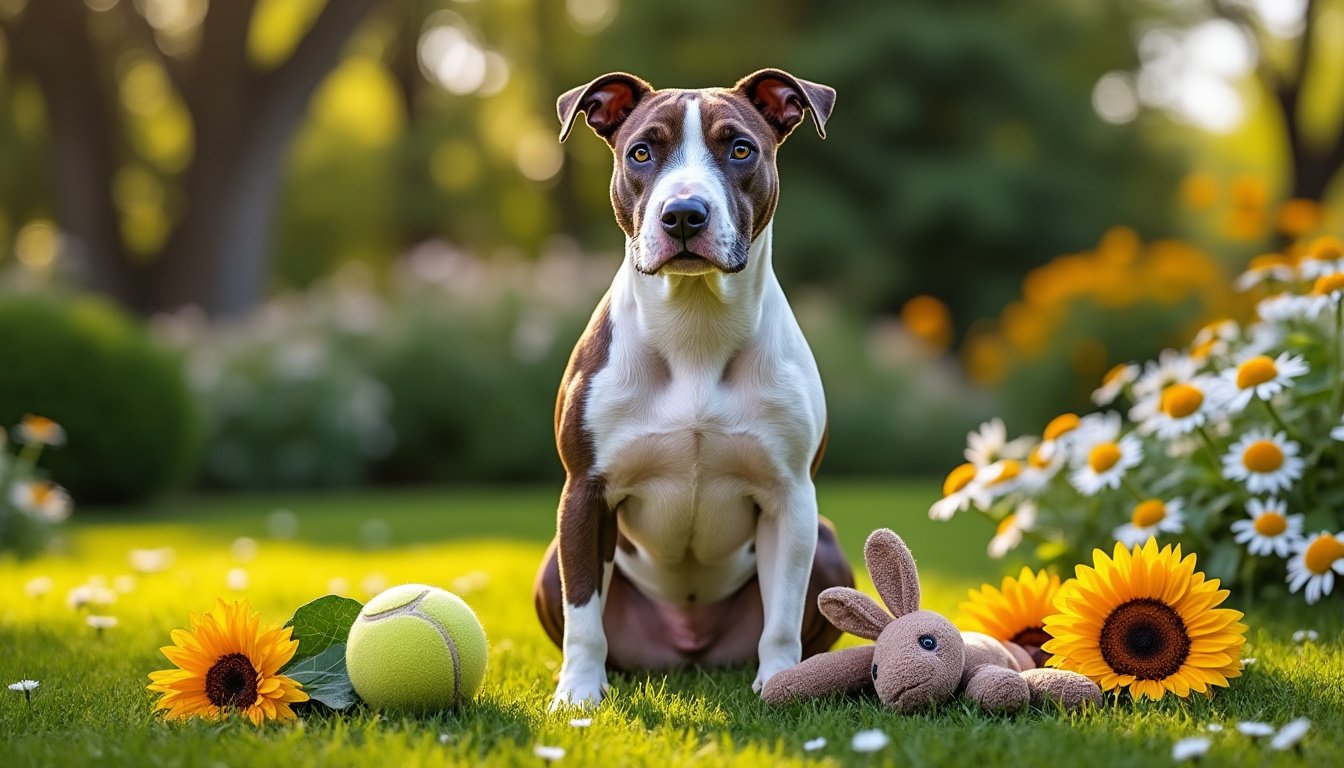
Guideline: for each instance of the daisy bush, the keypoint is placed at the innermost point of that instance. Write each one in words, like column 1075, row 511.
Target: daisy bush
column 31, row 506
column 1233, row 446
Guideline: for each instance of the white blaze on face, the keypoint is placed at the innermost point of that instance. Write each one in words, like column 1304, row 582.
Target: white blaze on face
column 690, row 172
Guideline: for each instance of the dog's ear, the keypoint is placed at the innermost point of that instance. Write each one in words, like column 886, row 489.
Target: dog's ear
column 783, row 99
column 607, row 101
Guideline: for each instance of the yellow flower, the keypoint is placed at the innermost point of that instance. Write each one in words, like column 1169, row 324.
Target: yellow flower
column 1015, row 612
column 227, row 661
column 1146, row 621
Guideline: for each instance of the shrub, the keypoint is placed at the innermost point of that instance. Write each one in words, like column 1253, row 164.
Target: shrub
column 122, row 400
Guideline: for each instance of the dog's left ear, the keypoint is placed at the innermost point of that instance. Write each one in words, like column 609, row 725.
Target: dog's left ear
column 782, row 99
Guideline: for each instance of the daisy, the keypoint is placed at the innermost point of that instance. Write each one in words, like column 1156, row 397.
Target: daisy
column 1324, row 256
column 1171, row 367
column 228, row 661
column 1325, row 295
column 1106, row 463
column 1261, row 377
column 1114, row 382
column 1248, row 662
column 41, row 430
column 1268, row 528
column 869, row 741
column 26, row 687
column 41, row 499
column 962, row 489
column 1011, row 527
column 1190, row 749
column 812, row 745
column 1306, row 636
column 1254, row 729
column 1214, row 727
column 1284, row 307
column 1214, row 339
column 581, row 722
column 1265, row 463
column 1150, row 517
column 1002, row 477
column 1181, row 408
column 1314, row 565
column 548, row 754
column 989, row 444
column 1270, row 266
column 1290, row 734
column 1043, row 463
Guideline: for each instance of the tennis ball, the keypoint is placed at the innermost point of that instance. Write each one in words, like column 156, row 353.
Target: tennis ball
column 416, row 648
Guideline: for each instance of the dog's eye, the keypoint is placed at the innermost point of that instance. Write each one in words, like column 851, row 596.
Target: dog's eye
column 874, row 672
column 742, row 150
column 927, row 642
column 640, row 154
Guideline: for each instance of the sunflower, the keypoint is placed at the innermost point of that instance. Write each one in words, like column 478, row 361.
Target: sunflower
column 1145, row 620
column 227, row 661
column 1015, row 612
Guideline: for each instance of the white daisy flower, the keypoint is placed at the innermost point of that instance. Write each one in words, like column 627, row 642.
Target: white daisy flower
column 101, row 622
column 990, row 443
column 40, row 429
column 1248, row 662
column 1324, row 256
column 1171, row 366
column 1271, row 266
column 1268, row 528
column 1181, row 408
column 549, row 754
column 1011, row 527
column 1190, row 749
column 41, row 499
column 1306, row 636
column 1043, row 463
column 1261, row 377
column 869, row 741
column 1286, row 307
column 812, row 745
column 26, row 687
column 1265, row 463
column 1214, row 727
column 38, row 586
column 1214, row 339
column 581, row 722
column 86, row 595
column 1151, row 517
column 1106, row 463
column 962, row 489
column 1114, row 383
column 1314, row 564
column 1290, row 734
column 1255, row 729
column 1325, row 295
column 1000, row 478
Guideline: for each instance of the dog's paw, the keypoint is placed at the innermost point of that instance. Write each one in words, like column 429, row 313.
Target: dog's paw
column 768, row 669
column 573, row 691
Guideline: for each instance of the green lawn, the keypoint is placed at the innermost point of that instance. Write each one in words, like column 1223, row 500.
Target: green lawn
column 92, row 707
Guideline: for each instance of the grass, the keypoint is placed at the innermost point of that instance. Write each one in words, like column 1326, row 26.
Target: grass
column 92, row 707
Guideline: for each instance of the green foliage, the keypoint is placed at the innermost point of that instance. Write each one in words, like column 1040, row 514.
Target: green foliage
column 123, row 401
column 322, row 623
column 324, row 678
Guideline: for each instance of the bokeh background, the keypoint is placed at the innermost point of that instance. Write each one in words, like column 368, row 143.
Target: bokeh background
column 254, row 244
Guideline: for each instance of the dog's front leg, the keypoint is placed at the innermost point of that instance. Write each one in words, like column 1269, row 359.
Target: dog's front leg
column 587, row 533
column 786, row 542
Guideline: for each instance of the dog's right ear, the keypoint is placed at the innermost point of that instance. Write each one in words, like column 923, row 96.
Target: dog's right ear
column 607, row 102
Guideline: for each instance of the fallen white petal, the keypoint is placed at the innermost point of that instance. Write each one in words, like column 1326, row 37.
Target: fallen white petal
column 1214, row 728
column 812, row 745
column 869, row 741
column 101, row 622
column 1252, row 728
column 548, row 753
column 581, row 722
column 1290, row 734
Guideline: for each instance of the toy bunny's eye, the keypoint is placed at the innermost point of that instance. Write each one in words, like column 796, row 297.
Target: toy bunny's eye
column 927, row 642
column 874, row 672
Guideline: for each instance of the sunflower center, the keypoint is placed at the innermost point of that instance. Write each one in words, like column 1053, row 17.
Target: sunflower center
column 1270, row 524
column 1322, row 553
column 1103, row 456
column 1145, row 638
column 1148, row 513
column 1181, row 400
column 1255, row 372
column 231, row 682
column 1031, row 639
column 1327, row 284
column 1262, row 456
column 958, row 478
column 1061, row 425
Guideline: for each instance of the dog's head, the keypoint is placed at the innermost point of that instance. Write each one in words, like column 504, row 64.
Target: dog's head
column 695, row 179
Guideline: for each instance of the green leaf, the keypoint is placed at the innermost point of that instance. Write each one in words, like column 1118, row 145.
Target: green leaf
column 325, row 679
column 322, row 623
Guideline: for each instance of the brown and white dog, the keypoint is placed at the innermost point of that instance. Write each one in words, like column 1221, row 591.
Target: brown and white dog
column 691, row 418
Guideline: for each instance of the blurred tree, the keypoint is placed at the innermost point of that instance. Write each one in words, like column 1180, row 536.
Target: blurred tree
column 101, row 64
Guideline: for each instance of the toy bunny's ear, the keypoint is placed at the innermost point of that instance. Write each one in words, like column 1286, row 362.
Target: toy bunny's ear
column 854, row 612
column 892, row 569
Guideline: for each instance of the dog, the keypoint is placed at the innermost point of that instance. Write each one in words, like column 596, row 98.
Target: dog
column 691, row 417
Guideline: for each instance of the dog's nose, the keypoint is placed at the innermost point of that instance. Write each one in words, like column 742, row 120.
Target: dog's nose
column 684, row 217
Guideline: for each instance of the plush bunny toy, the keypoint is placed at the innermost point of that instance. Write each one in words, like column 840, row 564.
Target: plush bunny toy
column 919, row 657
